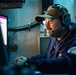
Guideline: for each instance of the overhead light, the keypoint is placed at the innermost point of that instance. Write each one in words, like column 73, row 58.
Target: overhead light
column 12, row 4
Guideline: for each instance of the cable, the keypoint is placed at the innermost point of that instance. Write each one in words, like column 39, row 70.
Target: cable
column 32, row 25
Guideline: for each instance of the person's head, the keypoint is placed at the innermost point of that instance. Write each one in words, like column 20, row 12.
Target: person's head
column 57, row 20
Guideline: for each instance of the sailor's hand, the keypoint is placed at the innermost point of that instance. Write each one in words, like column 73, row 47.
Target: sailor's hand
column 19, row 60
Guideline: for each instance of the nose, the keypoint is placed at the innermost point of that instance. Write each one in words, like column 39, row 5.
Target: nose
column 47, row 24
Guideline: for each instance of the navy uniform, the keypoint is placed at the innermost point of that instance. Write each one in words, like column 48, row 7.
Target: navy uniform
column 60, row 57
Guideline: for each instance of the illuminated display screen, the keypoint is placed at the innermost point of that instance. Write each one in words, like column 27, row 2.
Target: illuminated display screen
column 3, row 23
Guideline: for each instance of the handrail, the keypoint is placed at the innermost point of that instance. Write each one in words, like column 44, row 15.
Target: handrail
column 28, row 26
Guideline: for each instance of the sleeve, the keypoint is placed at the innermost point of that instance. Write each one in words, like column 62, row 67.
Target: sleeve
column 66, row 64
column 72, row 42
column 71, row 45
column 38, row 57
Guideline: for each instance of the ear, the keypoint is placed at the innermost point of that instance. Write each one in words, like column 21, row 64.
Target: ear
column 66, row 20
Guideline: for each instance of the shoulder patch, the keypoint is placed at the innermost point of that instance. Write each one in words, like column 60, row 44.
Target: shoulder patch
column 72, row 50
